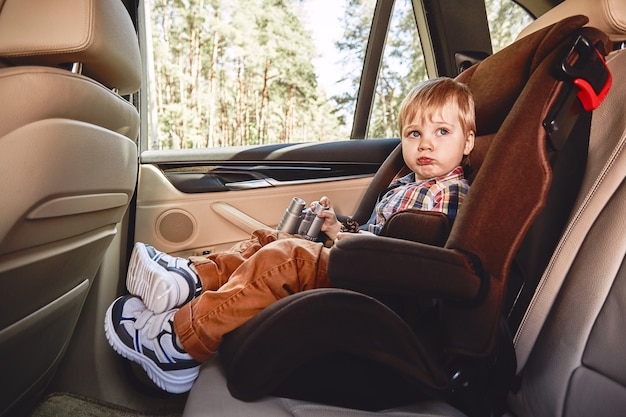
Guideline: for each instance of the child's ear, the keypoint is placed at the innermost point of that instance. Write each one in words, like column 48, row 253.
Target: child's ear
column 469, row 143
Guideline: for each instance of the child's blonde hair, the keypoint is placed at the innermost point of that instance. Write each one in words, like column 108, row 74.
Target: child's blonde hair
column 430, row 96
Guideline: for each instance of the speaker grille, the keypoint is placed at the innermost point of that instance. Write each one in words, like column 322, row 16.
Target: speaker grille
column 176, row 226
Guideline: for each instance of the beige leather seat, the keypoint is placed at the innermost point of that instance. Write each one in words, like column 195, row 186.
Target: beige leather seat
column 570, row 348
column 68, row 167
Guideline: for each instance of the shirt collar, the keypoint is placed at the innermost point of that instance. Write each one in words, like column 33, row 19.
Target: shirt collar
column 456, row 173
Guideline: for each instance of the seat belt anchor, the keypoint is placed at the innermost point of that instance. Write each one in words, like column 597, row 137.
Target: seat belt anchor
column 589, row 73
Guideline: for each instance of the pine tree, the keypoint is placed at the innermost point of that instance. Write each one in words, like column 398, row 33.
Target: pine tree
column 232, row 73
column 240, row 72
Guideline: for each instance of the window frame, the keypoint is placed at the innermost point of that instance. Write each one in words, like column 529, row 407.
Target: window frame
column 440, row 52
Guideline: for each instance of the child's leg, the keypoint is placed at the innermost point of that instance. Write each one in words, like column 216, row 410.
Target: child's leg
column 164, row 282
column 215, row 269
column 274, row 271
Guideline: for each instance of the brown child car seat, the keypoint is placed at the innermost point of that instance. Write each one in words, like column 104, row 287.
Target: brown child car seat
column 412, row 319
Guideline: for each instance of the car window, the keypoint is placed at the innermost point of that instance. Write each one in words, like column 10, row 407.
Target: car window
column 506, row 20
column 403, row 66
column 251, row 72
column 245, row 72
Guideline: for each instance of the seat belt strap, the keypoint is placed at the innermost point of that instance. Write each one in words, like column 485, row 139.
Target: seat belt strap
column 603, row 186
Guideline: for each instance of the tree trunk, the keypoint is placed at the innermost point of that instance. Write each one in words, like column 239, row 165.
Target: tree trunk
column 288, row 124
column 261, row 128
column 210, row 116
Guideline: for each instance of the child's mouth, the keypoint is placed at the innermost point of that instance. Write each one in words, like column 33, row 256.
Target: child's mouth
column 424, row 161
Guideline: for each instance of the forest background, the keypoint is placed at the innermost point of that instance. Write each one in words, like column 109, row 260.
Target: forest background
column 242, row 72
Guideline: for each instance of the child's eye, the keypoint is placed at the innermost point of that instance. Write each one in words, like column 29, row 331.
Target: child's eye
column 414, row 134
column 443, row 131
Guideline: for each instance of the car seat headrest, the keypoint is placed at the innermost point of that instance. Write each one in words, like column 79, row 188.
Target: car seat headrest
column 495, row 92
column 98, row 34
column 609, row 16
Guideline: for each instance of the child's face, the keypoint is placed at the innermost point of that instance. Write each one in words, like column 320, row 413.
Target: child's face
column 435, row 144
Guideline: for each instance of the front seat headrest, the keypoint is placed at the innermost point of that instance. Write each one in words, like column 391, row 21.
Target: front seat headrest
column 609, row 16
column 96, row 33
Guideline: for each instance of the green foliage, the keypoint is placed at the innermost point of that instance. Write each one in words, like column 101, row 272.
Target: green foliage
column 506, row 20
column 231, row 73
column 402, row 68
column 403, row 64
column 240, row 72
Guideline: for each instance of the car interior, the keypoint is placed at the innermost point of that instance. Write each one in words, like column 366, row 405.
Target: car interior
column 515, row 311
column 69, row 167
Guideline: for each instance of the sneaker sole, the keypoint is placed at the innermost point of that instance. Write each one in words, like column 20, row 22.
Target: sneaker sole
column 167, row 381
column 150, row 281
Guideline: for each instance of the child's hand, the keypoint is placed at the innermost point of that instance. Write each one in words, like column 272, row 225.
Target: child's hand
column 331, row 226
column 345, row 235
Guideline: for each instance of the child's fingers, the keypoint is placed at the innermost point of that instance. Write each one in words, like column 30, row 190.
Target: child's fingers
column 325, row 201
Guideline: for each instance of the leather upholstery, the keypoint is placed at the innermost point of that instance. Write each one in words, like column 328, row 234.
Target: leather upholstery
column 576, row 365
column 609, row 16
column 68, row 168
column 42, row 32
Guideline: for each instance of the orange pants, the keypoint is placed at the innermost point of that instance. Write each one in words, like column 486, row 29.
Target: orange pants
column 240, row 282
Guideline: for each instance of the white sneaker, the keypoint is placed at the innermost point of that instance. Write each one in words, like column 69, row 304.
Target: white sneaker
column 142, row 336
column 162, row 281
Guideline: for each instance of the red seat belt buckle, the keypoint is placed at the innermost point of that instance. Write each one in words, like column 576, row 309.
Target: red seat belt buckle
column 587, row 69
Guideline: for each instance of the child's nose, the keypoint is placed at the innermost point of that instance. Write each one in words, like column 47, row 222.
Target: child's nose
column 425, row 144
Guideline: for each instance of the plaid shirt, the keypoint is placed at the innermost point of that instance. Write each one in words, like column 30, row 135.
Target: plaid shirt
column 444, row 194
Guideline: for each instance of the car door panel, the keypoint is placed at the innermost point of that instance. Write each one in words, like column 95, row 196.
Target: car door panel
column 200, row 203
